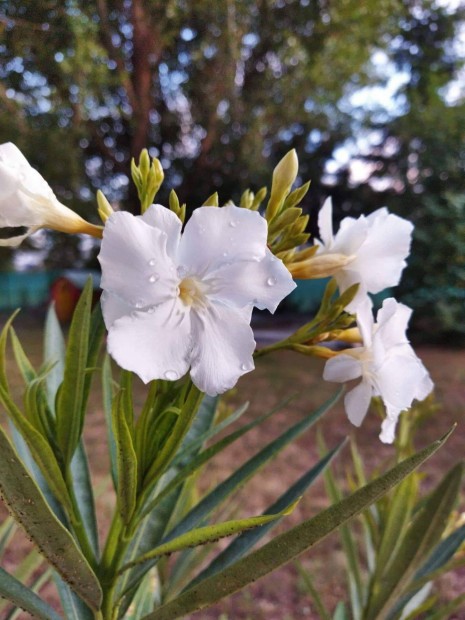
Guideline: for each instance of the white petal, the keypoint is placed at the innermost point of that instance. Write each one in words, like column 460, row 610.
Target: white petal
column 398, row 379
column 392, row 321
column 214, row 237
column 154, row 345
column 325, row 223
column 365, row 320
column 223, row 348
column 261, row 283
column 14, row 167
column 135, row 264
column 388, row 429
column 381, row 258
column 345, row 278
column 357, row 401
column 351, row 235
column 342, row 368
column 113, row 308
column 160, row 217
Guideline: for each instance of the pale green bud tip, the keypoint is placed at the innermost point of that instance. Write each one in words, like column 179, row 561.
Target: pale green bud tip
column 104, row 207
column 286, row 171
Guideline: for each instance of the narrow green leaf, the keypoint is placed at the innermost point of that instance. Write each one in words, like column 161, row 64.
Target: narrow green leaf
column 70, row 397
column 290, row 544
column 340, row 612
column 209, row 533
column 126, row 460
column 21, row 596
column 144, row 598
column 447, row 610
column 73, row 607
column 36, row 585
column 443, row 552
column 7, row 530
column 203, row 457
column 424, row 532
column 3, row 341
column 84, row 495
column 107, row 388
column 29, row 508
column 96, row 334
column 25, row 367
column 243, row 543
column 54, row 353
column 40, row 449
column 313, row 592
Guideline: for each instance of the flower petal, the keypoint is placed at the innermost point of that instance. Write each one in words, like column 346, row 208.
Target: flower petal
column 113, row 308
column 154, row 344
column 345, row 278
column 135, row 264
column 357, row 401
column 342, row 368
column 214, row 237
column 325, row 223
column 392, row 321
column 164, row 219
column 381, row 258
column 261, row 283
column 223, row 347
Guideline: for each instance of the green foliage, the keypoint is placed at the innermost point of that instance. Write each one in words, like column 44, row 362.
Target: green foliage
column 407, row 540
column 437, row 293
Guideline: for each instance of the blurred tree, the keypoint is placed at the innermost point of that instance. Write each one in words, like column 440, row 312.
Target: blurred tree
column 367, row 92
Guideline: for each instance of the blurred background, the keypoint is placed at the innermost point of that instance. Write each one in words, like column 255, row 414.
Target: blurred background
column 371, row 95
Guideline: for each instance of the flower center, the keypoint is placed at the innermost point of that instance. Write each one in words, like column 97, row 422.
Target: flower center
column 190, row 292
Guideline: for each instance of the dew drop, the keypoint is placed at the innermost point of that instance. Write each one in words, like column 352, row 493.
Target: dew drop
column 171, row 375
column 139, row 303
column 244, row 367
column 271, row 281
column 153, row 278
column 152, row 262
column 233, row 223
column 151, row 309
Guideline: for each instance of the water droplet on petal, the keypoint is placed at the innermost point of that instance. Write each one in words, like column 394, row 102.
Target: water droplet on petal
column 151, row 309
column 225, row 254
column 233, row 223
column 153, row 278
column 171, row 375
column 152, row 262
column 244, row 367
column 139, row 303
column 271, row 281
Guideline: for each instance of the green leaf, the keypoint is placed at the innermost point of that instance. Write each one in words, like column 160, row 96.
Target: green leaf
column 40, row 449
column 290, row 544
column 36, row 585
column 54, row 353
column 323, row 613
column 424, row 532
column 107, row 389
column 442, row 553
column 84, row 495
column 29, row 508
column 7, row 530
column 73, row 607
column 21, row 596
column 70, row 397
column 3, row 341
column 243, row 543
column 209, row 533
column 340, row 612
column 445, row 613
column 126, row 459
column 144, row 598
column 25, row 367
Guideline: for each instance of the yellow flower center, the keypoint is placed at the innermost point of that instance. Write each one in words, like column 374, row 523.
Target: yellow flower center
column 190, row 292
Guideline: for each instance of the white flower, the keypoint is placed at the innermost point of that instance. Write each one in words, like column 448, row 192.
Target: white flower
column 386, row 363
column 171, row 302
column 368, row 250
column 27, row 200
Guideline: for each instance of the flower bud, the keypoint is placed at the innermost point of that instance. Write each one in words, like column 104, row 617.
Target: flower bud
column 27, row 200
column 284, row 176
column 319, row 266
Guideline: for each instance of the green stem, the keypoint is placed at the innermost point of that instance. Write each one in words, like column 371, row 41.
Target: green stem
column 277, row 346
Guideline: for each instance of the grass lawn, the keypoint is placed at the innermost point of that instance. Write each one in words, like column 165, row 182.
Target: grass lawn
column 280, row 595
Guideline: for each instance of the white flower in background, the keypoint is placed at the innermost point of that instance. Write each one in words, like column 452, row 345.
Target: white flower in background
column 386, row 364
column 370, row 250
column 171, row 302
column 27, row 200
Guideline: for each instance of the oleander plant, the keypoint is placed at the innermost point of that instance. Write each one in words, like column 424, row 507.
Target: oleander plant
column 175, row 311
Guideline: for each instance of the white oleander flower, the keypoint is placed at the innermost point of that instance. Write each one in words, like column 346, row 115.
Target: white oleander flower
column 27, row 200
column 370, row 250
column 386, row 363
column 175, row 301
